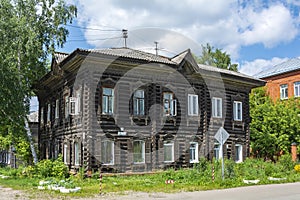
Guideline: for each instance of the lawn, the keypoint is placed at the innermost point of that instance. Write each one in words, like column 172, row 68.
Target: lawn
column 196, row 178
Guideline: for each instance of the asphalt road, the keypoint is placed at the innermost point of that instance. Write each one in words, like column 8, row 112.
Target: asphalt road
column 290, row 191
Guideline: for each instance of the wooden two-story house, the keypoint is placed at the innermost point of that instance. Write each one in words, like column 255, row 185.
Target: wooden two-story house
column 124, row 110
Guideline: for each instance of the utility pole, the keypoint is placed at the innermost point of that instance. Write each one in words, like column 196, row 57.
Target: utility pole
column 125, row 36
column 156, row 48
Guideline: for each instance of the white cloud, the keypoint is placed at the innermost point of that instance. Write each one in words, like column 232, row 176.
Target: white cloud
column 269, row 26
column 258, row 65
column 229, row 25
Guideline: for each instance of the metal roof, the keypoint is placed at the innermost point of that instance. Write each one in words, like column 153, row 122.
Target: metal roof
column 149, row 57
column 131, row 53
column 288, row 66
column 226, row 71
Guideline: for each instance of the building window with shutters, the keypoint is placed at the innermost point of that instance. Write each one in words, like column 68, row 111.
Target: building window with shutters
column 107, row 101
column 217, row 107
column 67, row 107
column 107, row 152
column 237, row 111
column 57, row 109
column 139, row 103
column 194, row 158
column 170, row 105
column 217, row 151
column 65, row 153
column 49, row 113
column 169, row 152
column 192, row 105
column 42, row 116
column 76, row 153
column 138, row 151
column 238, row 153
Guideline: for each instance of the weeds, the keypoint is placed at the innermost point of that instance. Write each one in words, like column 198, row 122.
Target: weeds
column 199, row 177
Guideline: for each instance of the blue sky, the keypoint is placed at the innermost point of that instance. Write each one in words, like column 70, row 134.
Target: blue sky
column 257, row 34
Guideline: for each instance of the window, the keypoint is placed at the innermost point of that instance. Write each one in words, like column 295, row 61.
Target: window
column 238, row 153
column 138, row 151
column 217, row 107
column 194, row 152
column 107, row 152
column 65, row 153
column 170, row 105
column 139, row 102
column 284, row 91
column 74, row 106
column 76, row 152
column 49, row 113
column 217, row 151
column 42, row 115
column 56, row 109
column 67, row 107
column 297, row 89
column 237, row 111
column 192, row 105
column 169, row 152
column 107, row 101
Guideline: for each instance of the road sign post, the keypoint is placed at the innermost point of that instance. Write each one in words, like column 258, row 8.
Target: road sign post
column 221, row 136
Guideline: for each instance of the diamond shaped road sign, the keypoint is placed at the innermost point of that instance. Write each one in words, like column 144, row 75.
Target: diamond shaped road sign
column 221, row 135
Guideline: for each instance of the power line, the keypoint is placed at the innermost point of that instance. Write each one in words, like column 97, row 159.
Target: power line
column 94, row 39
column 95, row 29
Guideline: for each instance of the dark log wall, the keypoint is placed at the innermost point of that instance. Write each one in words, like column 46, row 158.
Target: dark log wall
column 90, row 127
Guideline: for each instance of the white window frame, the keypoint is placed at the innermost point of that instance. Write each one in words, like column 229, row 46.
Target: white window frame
column 139, row 103
column 194, row 150
column 167, row 145
column 104, row 153
column 67, row 106
column 42, row 115
column 65, row 153
column 142, row 153
column 238, row 153
column 217, row 151
column 237, row 111
column 169, row 104
column 107, row 102
column 48, row 112
column 217, row 107
column 57, row 109
column 76, row 153
column 193, row 106
column 297, row 89
column 284, row 91
column 74, row 105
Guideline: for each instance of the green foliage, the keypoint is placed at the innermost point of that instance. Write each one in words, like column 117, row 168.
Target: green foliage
column 274, row 126
column 216, row 58
column 194, row 179
column 52, row 168
column 30, row 31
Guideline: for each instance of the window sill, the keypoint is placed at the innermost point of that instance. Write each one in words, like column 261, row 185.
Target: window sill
column 195, row 161
column 139, row 163
column 108, row 164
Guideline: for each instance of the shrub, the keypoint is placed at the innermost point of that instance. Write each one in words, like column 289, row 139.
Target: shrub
column 286, row 162
column 52, row 168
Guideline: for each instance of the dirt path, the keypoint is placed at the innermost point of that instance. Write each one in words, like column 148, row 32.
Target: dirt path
column 286, row 191
column 10, row 194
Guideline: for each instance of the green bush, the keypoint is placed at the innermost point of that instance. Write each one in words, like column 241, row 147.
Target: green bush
column 286, row 162
column 52, row 168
